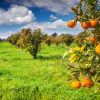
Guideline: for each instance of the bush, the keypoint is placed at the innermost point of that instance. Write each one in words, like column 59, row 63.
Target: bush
column 67, row 39
column 36, row 40
column 13, row 38
column 25, row 38
column 49, row 40
column 28, row 40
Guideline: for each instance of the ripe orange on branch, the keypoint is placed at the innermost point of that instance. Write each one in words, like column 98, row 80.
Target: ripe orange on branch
column 87, row 82
column 93, row 39
column 97, row 49
column 71, row 24
column 76, row 84
column 94, row 23
column 85, row 25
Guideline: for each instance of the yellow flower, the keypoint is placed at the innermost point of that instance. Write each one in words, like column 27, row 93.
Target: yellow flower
column 71, row 50
column 76, row 48
column 67, row 52
column 82, row 48
column 85, row 41
column 73, row 58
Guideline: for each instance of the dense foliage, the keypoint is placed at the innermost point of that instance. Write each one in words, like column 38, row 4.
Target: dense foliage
column 27, row 39
column 31, row 40
column 85, row 58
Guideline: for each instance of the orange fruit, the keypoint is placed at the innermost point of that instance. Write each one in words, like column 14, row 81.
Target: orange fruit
column 76, row 84
column 97, row 49
column 85, row 25
column 94, row 23
column 87, row 82
column 93, row 39
column 71, row 24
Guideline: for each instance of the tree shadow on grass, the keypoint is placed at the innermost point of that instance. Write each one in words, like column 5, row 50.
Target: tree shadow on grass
column 51, row 57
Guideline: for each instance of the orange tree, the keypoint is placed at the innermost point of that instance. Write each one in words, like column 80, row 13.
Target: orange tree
column 85, row 58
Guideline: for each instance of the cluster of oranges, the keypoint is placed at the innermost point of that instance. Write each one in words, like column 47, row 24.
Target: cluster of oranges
column 97, row 48
column 86, row 82
column 85, row 25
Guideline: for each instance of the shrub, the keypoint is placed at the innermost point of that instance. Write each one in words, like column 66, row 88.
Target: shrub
column 13, row 38
column 54, row 34
column 28, row 40
column 49, row 40
column 67, row 39
column 36, row 40
column 25, row 38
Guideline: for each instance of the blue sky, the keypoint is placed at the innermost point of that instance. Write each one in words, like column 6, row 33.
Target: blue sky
column 49, row 15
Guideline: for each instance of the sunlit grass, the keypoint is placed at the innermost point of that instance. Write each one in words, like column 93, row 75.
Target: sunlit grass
column 23, row 78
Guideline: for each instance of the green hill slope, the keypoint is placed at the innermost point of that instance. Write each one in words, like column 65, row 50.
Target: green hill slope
column 23, row 78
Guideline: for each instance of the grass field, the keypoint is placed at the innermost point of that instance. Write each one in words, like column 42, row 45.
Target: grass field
column 23, row 78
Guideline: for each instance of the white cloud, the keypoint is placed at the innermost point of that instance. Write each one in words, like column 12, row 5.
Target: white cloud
column 57, row 26
column 57, row 6
column 16, row 15
column 47, row 25
column 52, row 17
column 4, row 35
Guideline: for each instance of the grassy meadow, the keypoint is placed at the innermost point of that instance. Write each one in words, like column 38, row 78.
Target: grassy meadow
column 23, row 78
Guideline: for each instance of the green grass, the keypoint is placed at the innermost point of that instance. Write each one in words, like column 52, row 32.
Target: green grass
column 23, row 78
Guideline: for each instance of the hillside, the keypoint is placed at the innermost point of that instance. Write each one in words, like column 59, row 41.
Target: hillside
column 23, row 78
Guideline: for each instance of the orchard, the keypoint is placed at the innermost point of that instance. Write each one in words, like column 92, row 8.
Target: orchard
column 84, row 63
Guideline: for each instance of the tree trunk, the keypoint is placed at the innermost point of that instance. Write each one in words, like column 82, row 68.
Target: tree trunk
column 35, row 54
